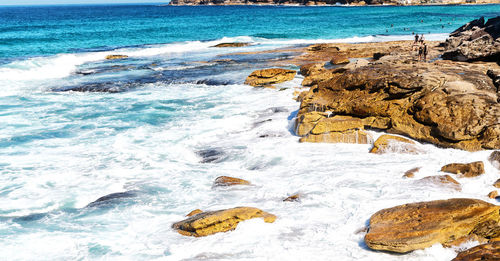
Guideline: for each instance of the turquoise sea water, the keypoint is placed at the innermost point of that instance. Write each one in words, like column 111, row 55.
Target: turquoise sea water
column 154, row 130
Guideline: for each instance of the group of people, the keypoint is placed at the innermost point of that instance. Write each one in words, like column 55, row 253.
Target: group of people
column 421, row 47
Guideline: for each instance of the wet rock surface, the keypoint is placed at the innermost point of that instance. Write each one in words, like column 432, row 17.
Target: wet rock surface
column 211, row 222
column 490, row 252
column 420, row 225
column 267, row 77
column 467, row 170
column 229, row 181
column 392, row 144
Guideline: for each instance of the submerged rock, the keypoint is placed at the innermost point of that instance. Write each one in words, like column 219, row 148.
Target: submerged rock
column 490, row 251
column 442, row 180
column 293, row 198
column 493, row 194
column 104, row 200
column 420, row 225
column 211, row 222
column 229, row 181
column 494, row 158
column 411, row 173
column 116, row 57
column 211, row 155
column 391, row 144
column 221, row 45
column 267, row 77
column 497, row 184
column 467, row 170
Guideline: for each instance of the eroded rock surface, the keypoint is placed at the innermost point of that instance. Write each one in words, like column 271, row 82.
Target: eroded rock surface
column 390, row 144
column 318, row 127
column 116, row 56
column 420, row 225
column 467, row 170
column 445, row 181
column 494, row 158
column 211, row 222
column 267, row 77
column 490, row 252
column 223, row 45
column 229, row 181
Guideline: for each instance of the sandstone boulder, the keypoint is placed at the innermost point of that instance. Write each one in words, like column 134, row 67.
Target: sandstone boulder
column 467, row 170
column 475, row 41
column 490, row 251
column 420, row 225
column 222, row 45
column 493, row 194
column 229, row 181
column 292, row 198
column 392, row 144
column 211, row 222
column 116, row 57
column 194, row 212
column 497, row 184
column 267, row 77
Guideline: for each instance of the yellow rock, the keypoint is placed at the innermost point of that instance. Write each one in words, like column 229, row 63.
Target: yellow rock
column 411, row 173
column 307, row 121
column 493, row 194
column 420, row 225
column 211, row 222
column 194, row 212
column 497, row 184
column 116, row 56
column 268, row 77
column 350, row 136
column 390, row 143
column 468, row 170
column 230, row 181
column 337, row 124
column 490, row 251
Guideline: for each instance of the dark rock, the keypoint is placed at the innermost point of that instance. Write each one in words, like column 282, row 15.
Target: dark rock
column 112, row 197
column 211, row 155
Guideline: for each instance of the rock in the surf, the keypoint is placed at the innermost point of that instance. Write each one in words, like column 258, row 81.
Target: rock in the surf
column 467, row 170
column 318, row 127
column 494, row 158
column 293, row 198
column 222, row 45
column 211, row 222
column 420, row 225
column 268, row 77
column 445, row 181
column 116, row 56
column 411, row 173
column 194, row 212
column 391, row 144
column 489, row 251
column 229, row 181
column 497, row 184
column 493, row 194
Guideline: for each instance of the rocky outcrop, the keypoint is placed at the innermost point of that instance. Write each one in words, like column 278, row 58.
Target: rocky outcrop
column 194, row 212
column 339, row 59
column 391, row 144
column 211, row 222
column 490, row 251
column 493, row 194
column 446, row 103
column 268, row 77
column 420, row 225
column 293, row 198
column 497, row 184
column 229, row 181
column 116, row 56
column 476, row 41
column 467, row 170
column 411, row 173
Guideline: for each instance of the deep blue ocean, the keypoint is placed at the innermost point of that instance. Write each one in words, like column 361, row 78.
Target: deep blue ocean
column 99, row 157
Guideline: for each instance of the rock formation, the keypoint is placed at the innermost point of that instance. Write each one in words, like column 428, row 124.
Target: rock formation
column 390, row 144
column 222, row 45
column 211, row 222
column 267, row 77
column 450, row 104
column 445, row 181
column 475, row 41
column 116, row 56
column 494, row 158
column 318, row 127
column 490, row 251
column 419, row 225
column 229, row 181
column 468, row 170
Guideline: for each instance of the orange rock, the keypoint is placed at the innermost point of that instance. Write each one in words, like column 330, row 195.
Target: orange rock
column 266, row 77
column 231, row 45
column 194, row 212
column 211, row 222
column 420, row 225
column 470, row 237
column 493, row 194
column 116, row 56
column 339, row 59
column 497, row 184
column 468, row 170
column 294, row 197
column 390, row 143
column 229, row 181
column 490, row 251
column 411, row 173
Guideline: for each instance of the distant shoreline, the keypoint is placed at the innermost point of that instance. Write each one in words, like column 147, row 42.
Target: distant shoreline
column 329, row 5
